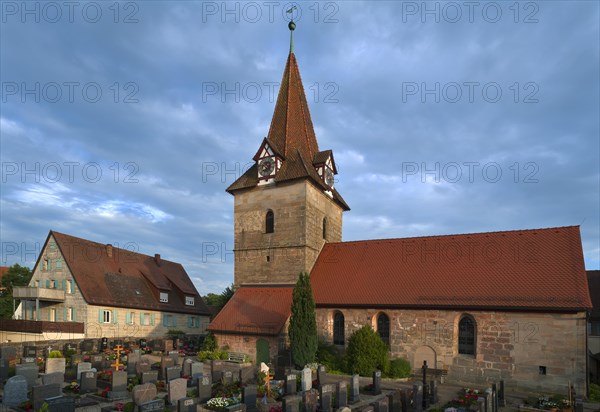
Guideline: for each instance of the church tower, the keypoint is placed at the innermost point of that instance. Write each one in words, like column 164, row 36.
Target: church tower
column 286, row 205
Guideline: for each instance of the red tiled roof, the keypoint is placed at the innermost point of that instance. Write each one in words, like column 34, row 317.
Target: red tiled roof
column 593, row 277
column 255, row 311
column 541, row 269
column 127, row 279
column 3, row 270
column 291, row 136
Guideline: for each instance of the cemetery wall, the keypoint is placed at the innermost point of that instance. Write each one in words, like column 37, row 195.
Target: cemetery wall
column 246, row 344
column 278, row 257
column 531, row 351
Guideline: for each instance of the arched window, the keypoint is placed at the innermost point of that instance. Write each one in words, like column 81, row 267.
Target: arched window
column 466, row 336
column 269, row 222
column 324, row 228
column 338, row 328
column 383, row 327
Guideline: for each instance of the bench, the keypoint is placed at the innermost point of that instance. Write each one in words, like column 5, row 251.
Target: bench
column 431, row 372
column 236, row 357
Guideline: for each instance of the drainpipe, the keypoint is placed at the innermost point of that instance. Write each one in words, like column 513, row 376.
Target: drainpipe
column 37, row 309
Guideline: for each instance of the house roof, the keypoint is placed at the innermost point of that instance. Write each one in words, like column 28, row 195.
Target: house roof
column 540, row 269
column 255, row 310
column 3, row 270
column 593, row 278
column 110, row 276
column 292, row 136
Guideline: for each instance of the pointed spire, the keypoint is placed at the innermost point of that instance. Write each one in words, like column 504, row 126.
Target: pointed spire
column 292, row 27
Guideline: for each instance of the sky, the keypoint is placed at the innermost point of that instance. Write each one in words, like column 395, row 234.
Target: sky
column 124, row 122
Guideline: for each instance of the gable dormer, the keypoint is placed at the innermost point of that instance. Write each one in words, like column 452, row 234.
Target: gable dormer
column 325, row 167
column 268, row 162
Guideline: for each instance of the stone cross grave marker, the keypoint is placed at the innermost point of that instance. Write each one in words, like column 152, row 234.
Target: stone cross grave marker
column 177, row 390
column 15, row 391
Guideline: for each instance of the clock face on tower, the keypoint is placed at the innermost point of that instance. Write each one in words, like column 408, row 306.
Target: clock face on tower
column 329, row 177
column 266, row 166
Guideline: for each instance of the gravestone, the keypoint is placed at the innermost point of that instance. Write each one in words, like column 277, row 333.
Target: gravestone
column 227, row 377
column 28, row 371
column 55, row 377
column 173, row 354
column 55, row 365
column 97, row 361
column 326, row 394
column 501, row 399
column 165, row 362
column 196, row 368
column 381, row 405
column 143, row 393
column 157, row 405
column 394, row 404
column 119, row 385
column 61, row 404
column 168, row 345
column 418, row 397
column 204, row 388
column 306, row 379
column 186, row 405
column 29, row 352
column 174, row 372
column 132, row 359
column 187, row 367
column 249, row 397
column 83, row 367
column 142, row 367
column 240, row 407
column 290, row 384
column 8, row 352
column 488, row 399
column 177, row 389
column 291, row 403
column 88, row 382
column 311, row 400
column 578, row 404
column 376, row 382
column 87, row 345
column 341, row 394
column 216, row 369
column 40, row 393
column 76, row 359
column 321, row 374
column 433, row 392
column 355, row 389
column 15, row 391
column 149, row 377
column 404, row 400
column 494, row 398
column 481, row 404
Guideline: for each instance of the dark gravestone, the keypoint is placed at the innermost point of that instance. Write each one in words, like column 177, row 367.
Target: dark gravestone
column 97, row 362
column 354, row 389
column 290, row 384
column 418, row 397
column 8, row 352
column 186, row 405
column 172, row 373
column 578, row 404
column 326, row 394
column 61, row 404
column 187, row 367
column 404, row 400
column 29, row 352
column 311, row 400
column 494, row 398
column 87, row 345
column 376, row 382
column 216, row 369
column 157, row 405
column 381, row 405
column 143, row 393
column 291, row 403
column 165, row 362
column 149, row 377
column 3, row 369
column 394, row 403
column 173, row 354
column 15, row 391
column 227, row 377
column 501, row 399
column 88, row 382
column 29, row 371
column 249, row 397
column 433, row 392
column 42, row 392
column 321, row 374
column 341, row 394
column 56, row 377
column 204, row 388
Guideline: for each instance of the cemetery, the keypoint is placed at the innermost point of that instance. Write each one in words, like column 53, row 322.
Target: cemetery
column 105, row 376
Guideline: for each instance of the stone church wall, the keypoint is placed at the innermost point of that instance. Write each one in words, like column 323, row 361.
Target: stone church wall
column 514, row 346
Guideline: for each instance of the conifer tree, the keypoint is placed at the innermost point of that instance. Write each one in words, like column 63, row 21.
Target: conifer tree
column 303, row 323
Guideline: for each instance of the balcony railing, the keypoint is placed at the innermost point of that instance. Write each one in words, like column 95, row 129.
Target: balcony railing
column 34, row 326
column 43, row 294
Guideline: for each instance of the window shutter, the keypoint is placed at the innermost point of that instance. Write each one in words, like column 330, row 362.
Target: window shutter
column 49, row 318
column 152, row 320
column 127, row 317
column 190, row 322
column 174, row 317
column 115, row 316
column 47, row 283
column 74, row 317
column 64, row 282
column 165, row 319
column 142, row 318
column 100, row 316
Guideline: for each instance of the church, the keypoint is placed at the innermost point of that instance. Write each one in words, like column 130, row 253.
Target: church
column 481, row 307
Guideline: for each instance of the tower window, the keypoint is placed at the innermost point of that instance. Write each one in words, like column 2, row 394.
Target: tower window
column 269, row 222
column 466, row 336
column 324, row 228
column 383, row 328
column 338, row 328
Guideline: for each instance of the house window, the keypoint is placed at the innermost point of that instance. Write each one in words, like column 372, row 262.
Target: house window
column 37, row 283
column 53, row 315
column 383, row 327
column 466, row 336
column 106, row 316
column 193, row 322
column 130, row 318
column 58, row 264
column 595, row 328
column 189, row 300
column 145, row 319
column 324, row 228
column 45, row 264
column 52, row 245
column 269, row 222
column 338, row 328
column 164, row 297
column 70, row 314
column 69, row 286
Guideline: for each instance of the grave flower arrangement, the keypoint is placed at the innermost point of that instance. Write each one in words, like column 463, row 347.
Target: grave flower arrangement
column 72, row 388
column 105, row 375
column 27, row 406
column 104, row 392
column 466, row 398
column 220, row 403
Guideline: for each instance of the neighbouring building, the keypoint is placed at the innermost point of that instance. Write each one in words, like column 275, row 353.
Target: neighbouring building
column 594, row 326
column 84, row 289
column 504, row 305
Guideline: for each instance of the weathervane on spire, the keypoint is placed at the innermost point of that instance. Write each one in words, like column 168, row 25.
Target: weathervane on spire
column 292, row 27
